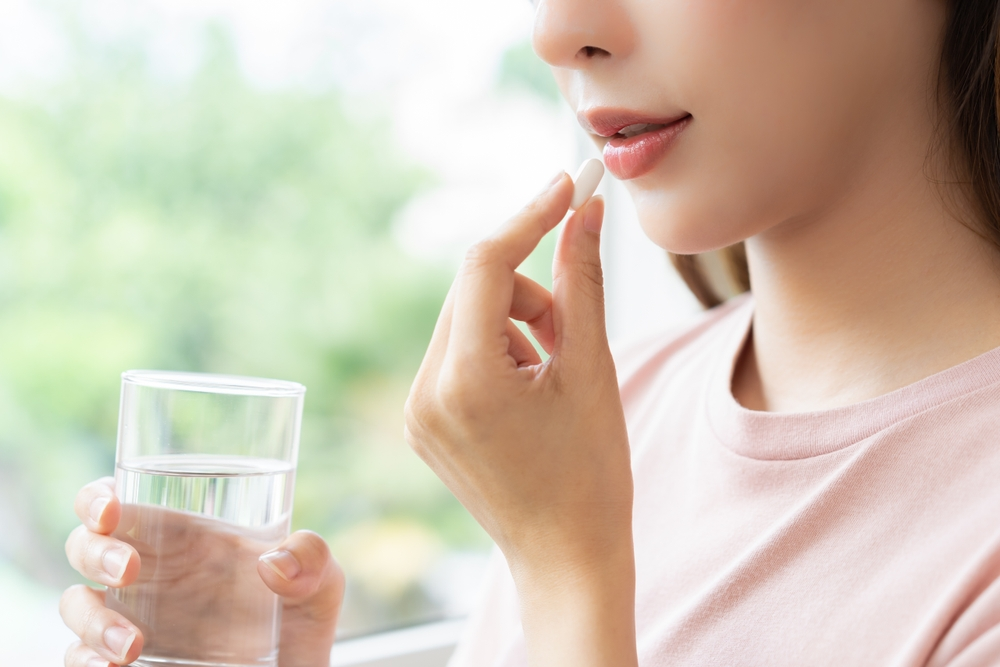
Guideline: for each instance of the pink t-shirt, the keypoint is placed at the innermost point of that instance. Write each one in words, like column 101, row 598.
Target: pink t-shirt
column 863, row 535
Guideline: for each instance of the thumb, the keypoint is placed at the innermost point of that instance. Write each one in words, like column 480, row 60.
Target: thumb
column 311, row 584
column 578, row 284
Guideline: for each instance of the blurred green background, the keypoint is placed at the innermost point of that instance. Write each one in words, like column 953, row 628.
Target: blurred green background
column 205, row 224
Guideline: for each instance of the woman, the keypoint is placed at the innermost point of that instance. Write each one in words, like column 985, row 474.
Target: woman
column 804, row 477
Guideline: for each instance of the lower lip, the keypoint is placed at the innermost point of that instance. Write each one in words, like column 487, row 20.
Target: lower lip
column 635, row 156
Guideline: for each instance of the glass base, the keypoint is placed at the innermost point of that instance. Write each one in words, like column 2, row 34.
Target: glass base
column 147, row 661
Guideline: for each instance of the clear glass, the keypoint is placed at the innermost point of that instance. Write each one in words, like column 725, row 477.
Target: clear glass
column 205, row 472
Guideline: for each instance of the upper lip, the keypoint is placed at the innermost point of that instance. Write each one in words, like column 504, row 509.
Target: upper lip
column 607, row 121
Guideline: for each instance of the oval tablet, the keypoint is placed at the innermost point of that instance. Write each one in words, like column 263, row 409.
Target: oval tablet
column 588, row 177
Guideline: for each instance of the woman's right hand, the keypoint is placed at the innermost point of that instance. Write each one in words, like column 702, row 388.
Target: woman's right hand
column 300, row 570
column 538, row 451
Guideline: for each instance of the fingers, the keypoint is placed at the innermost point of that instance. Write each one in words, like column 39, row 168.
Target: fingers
column 439, row 340
column 300, row 567
column 485, row 286
column 578, row 284
column 420, row 390
column 97, row 506
column 101, row 558
column 303, row 572
column 515, row 240
column 532, row 304
column 79, row 655
column 520, row 348
column 101, row 630
column 108, row 638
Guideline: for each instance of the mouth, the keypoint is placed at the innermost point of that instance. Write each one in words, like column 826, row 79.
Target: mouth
column 633, row 143
column 636, row 129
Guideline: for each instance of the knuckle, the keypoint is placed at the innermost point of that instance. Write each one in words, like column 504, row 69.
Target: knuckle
column 337, row 577
column 67, row 598
column 99, row 487
column 419, row 414
column 316, row 546
column 413, row 434
column 412, row 419
column 74, row 544
column 534, row 214
column 92, row 623
column 591, row 279
column 542, row 207
column 590, row 267
column 73, row 656
column 413, row 406
column 87, row 490
column 324, row 605
column 453, row 397
column 481, row 254
column 462, row 407
column 443, row 410
column 460, row 395
column 409, row 426
column 92, row 562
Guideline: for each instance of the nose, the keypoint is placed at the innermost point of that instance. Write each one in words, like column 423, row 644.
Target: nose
column 577, row 33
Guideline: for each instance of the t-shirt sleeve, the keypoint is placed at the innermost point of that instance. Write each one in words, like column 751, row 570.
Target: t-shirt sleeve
column 493, row 636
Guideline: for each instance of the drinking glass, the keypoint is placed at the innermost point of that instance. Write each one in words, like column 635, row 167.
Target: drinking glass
column 205, row 471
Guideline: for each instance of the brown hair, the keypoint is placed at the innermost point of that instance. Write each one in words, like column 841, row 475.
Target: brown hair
column 970, row 71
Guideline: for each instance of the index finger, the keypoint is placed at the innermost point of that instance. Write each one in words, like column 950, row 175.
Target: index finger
column 97, row 506
column 484, row 289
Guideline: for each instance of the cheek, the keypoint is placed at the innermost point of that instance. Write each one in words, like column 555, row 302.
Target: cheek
column 779, row 115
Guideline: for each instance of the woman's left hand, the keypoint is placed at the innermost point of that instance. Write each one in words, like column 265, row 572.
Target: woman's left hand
column 300, row 570
column 538, row 452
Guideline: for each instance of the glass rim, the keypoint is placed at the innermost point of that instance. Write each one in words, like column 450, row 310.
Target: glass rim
column 213, row 383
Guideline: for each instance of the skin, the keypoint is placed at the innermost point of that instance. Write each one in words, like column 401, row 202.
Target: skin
column 304, row 574
column 538, row 452
column 816, row 137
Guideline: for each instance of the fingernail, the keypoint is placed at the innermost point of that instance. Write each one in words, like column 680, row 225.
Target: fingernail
column 119, row 640
column 284, row 564
column 97, row 507
column 116, row 562
column 97, row 662
column 593, row 217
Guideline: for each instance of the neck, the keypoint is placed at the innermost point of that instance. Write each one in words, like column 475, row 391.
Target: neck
column 852, row 303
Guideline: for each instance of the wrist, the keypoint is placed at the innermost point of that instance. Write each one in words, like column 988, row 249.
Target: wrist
column 579, row 610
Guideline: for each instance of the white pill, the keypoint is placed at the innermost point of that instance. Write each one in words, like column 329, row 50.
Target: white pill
column 588, row 177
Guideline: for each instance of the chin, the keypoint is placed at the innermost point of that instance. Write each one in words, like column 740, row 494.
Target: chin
column 684, row 225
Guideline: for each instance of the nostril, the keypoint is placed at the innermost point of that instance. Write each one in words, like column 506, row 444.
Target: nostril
column 591, row 51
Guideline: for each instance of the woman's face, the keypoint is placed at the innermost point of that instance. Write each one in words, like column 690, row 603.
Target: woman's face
column 783, row 108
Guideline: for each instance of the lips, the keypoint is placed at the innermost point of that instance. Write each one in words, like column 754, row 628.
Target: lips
column 636, row 143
